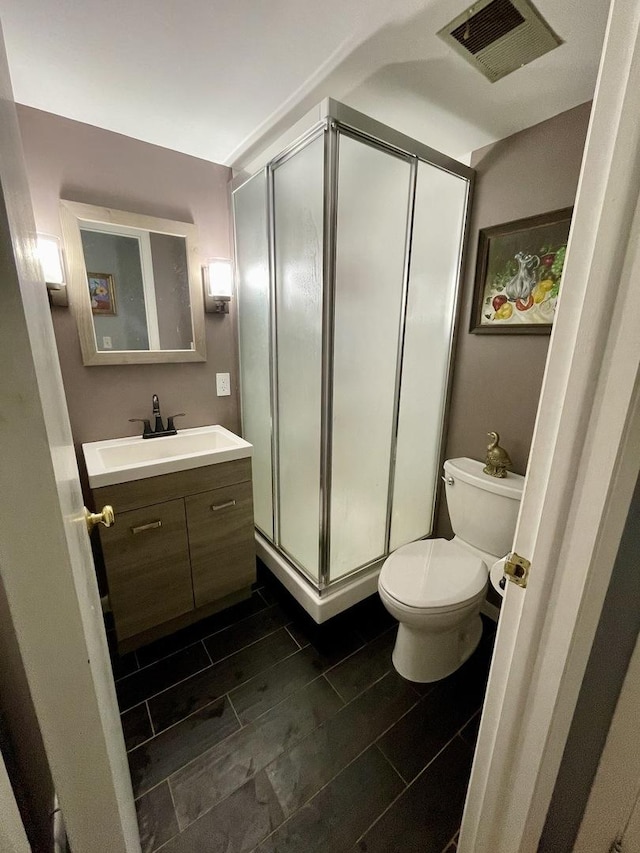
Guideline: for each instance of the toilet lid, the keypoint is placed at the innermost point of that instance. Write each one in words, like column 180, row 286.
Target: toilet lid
column 433, row 573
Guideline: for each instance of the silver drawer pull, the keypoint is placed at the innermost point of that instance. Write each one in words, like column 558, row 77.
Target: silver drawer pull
column 151, row 526
column 216, row 507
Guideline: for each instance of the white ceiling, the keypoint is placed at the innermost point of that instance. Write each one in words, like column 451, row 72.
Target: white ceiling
column 216, row 78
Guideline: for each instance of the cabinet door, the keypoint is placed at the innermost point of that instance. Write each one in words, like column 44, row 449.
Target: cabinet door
column 147, row 559
column 221, row 541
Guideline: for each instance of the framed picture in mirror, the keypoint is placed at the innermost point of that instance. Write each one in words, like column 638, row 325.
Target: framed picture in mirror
column 102, row 293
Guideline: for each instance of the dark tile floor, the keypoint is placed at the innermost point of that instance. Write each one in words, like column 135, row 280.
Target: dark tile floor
column 258, row 730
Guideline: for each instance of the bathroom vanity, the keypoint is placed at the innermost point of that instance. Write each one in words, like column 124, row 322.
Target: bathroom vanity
column 182, row 546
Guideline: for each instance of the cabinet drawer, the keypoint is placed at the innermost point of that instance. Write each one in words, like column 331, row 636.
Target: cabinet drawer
column 168, row 487
column 147, row 558
column 221, row 540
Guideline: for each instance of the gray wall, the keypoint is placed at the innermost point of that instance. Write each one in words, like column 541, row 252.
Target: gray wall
column 608, row 663
column 497, row 378
column 67, row 159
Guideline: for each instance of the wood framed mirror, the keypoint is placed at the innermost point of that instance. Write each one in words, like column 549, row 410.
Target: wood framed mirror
column 135, row 286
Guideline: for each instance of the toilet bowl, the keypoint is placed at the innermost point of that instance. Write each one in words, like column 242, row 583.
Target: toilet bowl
column 435, row 587
column 435, row 590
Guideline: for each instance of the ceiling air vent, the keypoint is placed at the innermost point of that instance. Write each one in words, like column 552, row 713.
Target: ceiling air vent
column 499, row 36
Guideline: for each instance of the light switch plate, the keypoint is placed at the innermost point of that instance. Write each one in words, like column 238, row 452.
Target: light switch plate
column 106, row 342
column 223, row 384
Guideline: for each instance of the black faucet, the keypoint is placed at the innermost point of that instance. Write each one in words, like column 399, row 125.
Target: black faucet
column 159, row 428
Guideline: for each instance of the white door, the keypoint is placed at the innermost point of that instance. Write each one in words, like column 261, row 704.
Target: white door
column 584, row 463
column 45, row 557
column 613, row 810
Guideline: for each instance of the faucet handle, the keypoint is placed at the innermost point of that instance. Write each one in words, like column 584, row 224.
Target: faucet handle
column 170, row 424
column 146, row 431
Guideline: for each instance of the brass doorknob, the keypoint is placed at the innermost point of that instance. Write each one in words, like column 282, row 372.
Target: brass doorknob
column 106, row 517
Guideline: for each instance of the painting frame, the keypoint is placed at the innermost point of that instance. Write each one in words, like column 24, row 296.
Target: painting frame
column 536, row 284
column 103, row 303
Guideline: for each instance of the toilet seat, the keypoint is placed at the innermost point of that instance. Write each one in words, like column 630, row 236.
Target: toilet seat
column 434, row 575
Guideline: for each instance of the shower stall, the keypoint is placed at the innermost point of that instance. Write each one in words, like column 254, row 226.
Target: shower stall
column 348, row 260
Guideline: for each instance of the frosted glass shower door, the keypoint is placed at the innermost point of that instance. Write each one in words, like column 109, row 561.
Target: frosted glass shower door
column 252, row 268
column 298, row 189
column 440, row 209
column 373, row 203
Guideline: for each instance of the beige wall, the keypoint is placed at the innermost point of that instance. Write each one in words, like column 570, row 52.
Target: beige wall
column 497, row 378
column 67, row 159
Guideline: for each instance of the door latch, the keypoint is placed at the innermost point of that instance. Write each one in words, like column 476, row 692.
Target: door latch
column 517, row 569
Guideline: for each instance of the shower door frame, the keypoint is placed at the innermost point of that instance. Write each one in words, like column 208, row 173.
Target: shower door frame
column 337, row 119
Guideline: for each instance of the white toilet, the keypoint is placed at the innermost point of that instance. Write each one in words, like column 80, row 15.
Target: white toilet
column 435, row 587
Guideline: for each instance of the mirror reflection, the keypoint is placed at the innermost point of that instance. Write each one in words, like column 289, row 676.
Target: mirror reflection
column 139, row 288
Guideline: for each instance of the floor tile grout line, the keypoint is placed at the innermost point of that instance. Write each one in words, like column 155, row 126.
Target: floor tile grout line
column 142, row 743
column 261, row 594
column 153, row 728
column 233, row 708
column 189, row 644
column 450, row 841
column 412, row 782
column 389, row 727
column 246, row 618
column 286, row 627
column 155, row 662
column 149, row 790
column 175, row 811
column 164, row 690
column 359, row 649
column 206, row 651
column 472, row 717
column 173, row 725
column 335, row 690
column 252, row 643
column 209, row 666
column 364, row 690
column 390, row 763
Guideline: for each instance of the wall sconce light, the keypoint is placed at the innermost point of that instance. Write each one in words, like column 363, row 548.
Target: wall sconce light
column 50, row 256
column 217, row 279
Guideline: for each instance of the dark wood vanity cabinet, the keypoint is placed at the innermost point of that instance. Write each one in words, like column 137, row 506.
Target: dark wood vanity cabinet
column 181, row 548
column 220, row 528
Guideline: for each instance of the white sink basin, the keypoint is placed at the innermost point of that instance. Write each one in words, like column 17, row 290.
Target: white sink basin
column 121, row 460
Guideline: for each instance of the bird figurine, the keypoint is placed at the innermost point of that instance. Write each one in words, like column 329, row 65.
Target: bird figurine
column 497, row 460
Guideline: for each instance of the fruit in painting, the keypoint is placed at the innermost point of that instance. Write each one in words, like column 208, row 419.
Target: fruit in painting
column 541, row 290
column 524, row 304
column 504, row 312
column 498, row 301
column 539, row 294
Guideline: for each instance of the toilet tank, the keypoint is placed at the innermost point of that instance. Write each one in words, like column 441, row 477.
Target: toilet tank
column 483, row 509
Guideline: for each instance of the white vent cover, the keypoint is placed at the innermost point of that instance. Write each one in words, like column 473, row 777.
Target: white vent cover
column 499, row 36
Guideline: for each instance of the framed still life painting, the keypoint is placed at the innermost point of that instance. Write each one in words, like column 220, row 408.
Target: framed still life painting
column 518, row 274
column 102, row 293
